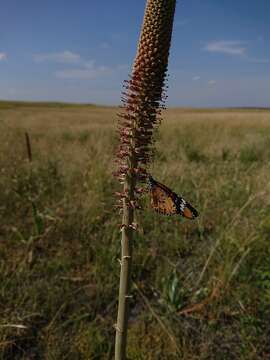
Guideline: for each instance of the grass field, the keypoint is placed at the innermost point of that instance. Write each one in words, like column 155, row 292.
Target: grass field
column 201, row 288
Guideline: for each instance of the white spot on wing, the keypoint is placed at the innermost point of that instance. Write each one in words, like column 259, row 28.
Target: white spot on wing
column 182, row 204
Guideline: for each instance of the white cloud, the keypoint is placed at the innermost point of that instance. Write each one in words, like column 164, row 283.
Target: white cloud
column 212, row 82
column 88, row 71
column 232, row 47
column 65, row 57
column 196, row 78
column 3, row 56
column 80, row 68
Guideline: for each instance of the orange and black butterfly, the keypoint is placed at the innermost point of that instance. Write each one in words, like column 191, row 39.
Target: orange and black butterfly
column 167, row 202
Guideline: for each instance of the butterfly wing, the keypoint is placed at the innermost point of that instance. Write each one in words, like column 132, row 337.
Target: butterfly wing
column 162, row 198
column 185, row 209
column 166, row 202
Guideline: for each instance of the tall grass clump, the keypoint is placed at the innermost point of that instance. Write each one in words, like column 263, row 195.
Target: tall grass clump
column 143, row 99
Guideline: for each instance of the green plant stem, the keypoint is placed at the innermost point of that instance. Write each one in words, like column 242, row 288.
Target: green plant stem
column 125, row 274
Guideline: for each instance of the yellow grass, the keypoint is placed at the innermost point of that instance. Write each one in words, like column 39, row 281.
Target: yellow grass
column 206, row 282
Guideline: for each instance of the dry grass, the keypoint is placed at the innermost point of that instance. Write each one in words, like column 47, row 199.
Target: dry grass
column 204, row 286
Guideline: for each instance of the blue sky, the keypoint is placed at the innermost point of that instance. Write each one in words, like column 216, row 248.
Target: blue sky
column 81, row 51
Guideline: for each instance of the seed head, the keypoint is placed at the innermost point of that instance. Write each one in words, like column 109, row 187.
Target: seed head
column 144, row 93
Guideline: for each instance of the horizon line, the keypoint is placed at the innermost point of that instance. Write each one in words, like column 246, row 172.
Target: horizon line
column 67, row 103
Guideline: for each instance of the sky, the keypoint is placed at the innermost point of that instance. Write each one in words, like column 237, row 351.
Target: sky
column 81, row 51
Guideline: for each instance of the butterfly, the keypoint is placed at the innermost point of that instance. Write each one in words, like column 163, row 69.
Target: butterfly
column 167, row 202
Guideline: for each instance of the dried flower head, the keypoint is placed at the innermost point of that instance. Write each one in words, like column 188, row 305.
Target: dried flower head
column 143, row 95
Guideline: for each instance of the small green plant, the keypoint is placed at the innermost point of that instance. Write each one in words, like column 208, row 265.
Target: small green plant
column 250, row 154
column 225, row 155
column 68, row 136
column 174, row 293
column 194, row 154
column 84, row 136
column 265, row 226
column 38, row 221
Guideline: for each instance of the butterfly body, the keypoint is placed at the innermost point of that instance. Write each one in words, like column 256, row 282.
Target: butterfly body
column 167, row 202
